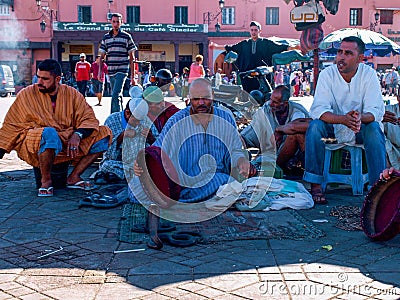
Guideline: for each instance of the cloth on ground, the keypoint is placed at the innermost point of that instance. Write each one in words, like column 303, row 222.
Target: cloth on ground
column 262, row 193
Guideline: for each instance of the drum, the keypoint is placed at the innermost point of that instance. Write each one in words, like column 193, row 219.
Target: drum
column 159, row 178
column 380, row 215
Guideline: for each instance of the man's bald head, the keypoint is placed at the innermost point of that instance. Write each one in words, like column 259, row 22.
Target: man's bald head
column 201, row 96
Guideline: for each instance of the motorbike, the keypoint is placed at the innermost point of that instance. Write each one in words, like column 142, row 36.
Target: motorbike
column 242, row 104
column 263, row 93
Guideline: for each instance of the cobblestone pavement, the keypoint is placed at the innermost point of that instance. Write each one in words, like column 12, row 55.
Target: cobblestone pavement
column 51, row 249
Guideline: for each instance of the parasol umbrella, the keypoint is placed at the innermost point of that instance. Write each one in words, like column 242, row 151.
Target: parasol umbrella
column 374, row 41
column 285, row 41
column 286, row 57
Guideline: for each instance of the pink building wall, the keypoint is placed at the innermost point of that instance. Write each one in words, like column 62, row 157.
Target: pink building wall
column 22, row 25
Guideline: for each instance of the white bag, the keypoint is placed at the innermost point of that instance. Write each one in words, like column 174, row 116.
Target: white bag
column 307, row 13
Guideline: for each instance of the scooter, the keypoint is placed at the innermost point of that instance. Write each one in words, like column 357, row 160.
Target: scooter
column 263, row 93
column 242, row 104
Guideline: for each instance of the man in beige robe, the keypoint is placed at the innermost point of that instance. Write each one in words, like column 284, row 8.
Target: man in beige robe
column 51, row 123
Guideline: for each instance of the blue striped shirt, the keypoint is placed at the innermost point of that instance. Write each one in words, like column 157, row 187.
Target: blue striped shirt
column 117, row 49
column 202, row 157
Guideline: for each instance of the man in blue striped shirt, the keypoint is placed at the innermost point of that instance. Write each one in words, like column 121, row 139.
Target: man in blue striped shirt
column 204, row 146
column 120, row 50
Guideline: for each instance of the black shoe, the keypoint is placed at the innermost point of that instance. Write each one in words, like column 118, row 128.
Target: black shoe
column 100, row 178
column 112, row 178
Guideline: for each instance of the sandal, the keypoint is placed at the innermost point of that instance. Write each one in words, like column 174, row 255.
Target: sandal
column 318, row 197
column 82, row 185
column 45, row 192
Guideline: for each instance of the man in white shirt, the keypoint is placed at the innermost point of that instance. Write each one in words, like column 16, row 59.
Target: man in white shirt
column 278, row 130
column 218, row 78
column 347, row 105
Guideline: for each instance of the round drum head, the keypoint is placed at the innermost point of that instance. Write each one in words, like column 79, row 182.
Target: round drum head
column 380, row 215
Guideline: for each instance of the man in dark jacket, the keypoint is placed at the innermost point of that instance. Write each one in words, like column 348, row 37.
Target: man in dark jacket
column 254, row 52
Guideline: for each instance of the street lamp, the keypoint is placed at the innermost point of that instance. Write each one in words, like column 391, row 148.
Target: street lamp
column 47, row 13
column 42, row 26
column 217, row 27
column 208, row 17
column 109, row 14
column 372, row 26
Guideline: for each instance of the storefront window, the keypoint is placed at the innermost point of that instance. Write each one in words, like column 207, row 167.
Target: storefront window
column 84, row 14
column 272, row 16
column 228, row 16
column 133, row 14
column 355, row 16
column 4, row 10
column 181, row 15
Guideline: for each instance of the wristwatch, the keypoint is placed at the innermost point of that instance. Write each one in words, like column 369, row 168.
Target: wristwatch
column 79, row 134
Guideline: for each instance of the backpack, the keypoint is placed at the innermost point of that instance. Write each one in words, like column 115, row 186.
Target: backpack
column 293, row 82
column 331, row 5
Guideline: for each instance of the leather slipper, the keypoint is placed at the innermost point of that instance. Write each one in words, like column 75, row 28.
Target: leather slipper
column 45, row 192
column 82, row 185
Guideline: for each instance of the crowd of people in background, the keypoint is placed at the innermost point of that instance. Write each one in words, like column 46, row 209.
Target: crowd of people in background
column 389, row 80
column 299, row 81
column 145, row 119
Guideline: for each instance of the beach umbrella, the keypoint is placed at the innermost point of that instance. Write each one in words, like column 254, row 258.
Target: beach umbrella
column 377, row 43
column 285, row 41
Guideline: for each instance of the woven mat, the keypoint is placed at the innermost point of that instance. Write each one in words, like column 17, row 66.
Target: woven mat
column 229, row 226
column 348, row 217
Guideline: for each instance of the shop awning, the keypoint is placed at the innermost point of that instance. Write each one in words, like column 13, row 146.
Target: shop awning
column 7, row 2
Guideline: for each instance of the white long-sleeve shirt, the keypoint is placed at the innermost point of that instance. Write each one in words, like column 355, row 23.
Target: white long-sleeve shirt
column 333, row 94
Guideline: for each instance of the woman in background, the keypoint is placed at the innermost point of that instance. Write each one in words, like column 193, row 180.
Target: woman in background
column 196, row 68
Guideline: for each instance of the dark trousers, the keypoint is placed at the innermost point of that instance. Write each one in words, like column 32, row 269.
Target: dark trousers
column 82, row 86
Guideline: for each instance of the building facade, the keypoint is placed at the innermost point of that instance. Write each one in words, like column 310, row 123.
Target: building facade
column 168, row 33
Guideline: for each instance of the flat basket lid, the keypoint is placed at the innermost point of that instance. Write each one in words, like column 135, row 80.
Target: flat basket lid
column 380, row 215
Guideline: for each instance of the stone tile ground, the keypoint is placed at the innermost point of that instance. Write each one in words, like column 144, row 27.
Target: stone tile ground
column 87, row 268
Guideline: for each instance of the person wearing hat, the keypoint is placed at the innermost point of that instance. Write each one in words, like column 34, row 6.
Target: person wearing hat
column 159, row 111
column 254, row 52
column 82, row 73
column 131, row 123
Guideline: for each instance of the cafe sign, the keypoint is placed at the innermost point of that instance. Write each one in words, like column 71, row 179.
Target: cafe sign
column 167, row 28
column 393, row 36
